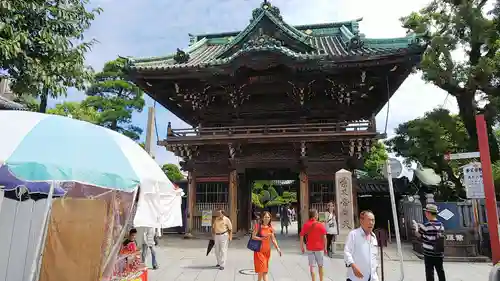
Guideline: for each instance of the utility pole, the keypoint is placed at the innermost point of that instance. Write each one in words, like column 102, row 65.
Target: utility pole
column 150, row 131
column 489, row 188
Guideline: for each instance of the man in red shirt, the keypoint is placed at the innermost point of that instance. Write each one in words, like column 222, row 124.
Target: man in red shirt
column 315, row 233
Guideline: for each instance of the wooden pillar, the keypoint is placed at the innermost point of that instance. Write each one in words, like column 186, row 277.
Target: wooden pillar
column 191, row 201
column 233, row 199
column 304, row 197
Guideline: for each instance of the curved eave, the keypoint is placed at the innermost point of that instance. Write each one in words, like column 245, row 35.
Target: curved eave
column 376, row 54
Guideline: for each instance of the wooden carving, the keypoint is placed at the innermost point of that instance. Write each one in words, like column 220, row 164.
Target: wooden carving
column 198, row 97
column 301, row 92
column 183, row 150
column 236, row 94
column 357, row 147
column 338, row 91
column 303, row 149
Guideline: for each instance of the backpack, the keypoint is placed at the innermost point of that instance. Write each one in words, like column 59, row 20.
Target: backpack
column 439, row 243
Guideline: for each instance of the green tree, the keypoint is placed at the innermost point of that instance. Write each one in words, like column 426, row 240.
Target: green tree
column 375, row 160
column 43, row 48
column 426, row 140
column 173, row 172
column 116, row 98
column 451, row 26
column 76, row 110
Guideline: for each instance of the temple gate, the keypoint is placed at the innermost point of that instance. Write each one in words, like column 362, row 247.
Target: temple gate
column 276, row 98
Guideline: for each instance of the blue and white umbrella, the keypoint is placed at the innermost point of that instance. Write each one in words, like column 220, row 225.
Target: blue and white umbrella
column 38, row 147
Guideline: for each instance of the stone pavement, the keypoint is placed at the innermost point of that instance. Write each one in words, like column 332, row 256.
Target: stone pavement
column 185, row 260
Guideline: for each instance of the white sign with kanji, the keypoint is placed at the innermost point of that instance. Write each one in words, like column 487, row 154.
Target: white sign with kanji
column 473, row 180
column 455, row 237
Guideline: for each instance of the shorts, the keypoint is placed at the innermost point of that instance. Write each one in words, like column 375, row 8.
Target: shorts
column 315, row 257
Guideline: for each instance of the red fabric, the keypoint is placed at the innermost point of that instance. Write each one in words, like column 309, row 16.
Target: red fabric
column 315, row 236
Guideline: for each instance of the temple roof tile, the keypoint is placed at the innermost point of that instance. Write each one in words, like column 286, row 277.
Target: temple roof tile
column 331, row 41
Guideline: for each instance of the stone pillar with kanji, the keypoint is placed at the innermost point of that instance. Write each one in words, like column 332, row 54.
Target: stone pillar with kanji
column 345, row 206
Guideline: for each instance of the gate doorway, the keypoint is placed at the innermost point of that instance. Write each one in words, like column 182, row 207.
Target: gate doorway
column 269, row 190
column 380, row 205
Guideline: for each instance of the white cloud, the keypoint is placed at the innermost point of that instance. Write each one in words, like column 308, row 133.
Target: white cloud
column 157, row 27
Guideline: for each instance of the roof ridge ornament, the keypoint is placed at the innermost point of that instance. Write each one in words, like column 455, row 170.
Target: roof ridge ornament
column 181, row 56
column 266, row 6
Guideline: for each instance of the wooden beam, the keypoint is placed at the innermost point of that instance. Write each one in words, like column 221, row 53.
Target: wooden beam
column 233, row 199
column 264, row 138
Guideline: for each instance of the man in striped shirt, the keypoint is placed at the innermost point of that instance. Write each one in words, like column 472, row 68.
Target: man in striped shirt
column 432, row 234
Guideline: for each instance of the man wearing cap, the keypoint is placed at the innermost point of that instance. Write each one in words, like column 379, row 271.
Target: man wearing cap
column 432, row 234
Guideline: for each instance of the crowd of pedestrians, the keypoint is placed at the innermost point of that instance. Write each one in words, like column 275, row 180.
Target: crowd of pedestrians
column 317, row 240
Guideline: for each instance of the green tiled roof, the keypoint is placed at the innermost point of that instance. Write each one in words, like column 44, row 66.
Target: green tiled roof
column 332, row 42
column 8, row 104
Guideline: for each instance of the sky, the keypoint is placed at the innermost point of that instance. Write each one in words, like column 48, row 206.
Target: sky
column 143, row 28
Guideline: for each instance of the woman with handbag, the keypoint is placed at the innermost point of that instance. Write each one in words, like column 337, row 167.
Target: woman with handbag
column 264, row 232
column 331, row 228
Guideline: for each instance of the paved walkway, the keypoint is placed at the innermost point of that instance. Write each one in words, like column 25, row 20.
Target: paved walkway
column 185, row 260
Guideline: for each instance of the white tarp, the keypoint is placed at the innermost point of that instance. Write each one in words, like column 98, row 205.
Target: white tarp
column 160, row 209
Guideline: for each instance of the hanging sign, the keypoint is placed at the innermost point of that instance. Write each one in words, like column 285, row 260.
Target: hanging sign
column 473, row 180
column 206, row 218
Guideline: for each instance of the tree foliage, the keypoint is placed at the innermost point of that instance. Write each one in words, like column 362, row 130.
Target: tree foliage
column 173, row 172
column 116, row 98
column 426, row 140
column 76, row 110
column 264, row 194
column 451, row 27
column 375, row 160
column 42, row 46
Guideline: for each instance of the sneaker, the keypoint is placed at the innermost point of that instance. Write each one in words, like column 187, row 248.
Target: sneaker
column 221, row 268
column 155, row 267
column 217, row 265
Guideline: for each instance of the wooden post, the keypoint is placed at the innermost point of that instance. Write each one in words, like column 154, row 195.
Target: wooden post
column 304, row 197
column 233, row 199
column 191, row 201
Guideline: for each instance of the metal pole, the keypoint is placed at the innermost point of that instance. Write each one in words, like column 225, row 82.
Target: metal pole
column 37, row 261
column 489, row 188
column 395, row 218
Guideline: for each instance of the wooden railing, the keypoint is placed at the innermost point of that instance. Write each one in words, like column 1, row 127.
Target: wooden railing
column 354, row 126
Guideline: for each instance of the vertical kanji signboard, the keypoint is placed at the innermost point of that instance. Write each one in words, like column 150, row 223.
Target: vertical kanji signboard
column 473, row 180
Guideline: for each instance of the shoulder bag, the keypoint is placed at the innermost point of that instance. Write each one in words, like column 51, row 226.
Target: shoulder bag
column 255, row 245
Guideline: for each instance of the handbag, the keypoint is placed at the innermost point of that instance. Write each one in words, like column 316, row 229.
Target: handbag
column 255, row 245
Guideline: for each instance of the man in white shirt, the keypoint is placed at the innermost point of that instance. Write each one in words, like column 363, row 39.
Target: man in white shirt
column 360, row 251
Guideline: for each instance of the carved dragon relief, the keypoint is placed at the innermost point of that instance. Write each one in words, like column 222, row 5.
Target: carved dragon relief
column 197, row 97
column 301, row 92
column 236, row 94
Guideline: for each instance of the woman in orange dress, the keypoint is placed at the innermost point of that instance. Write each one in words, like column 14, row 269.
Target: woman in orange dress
column 266, row 235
